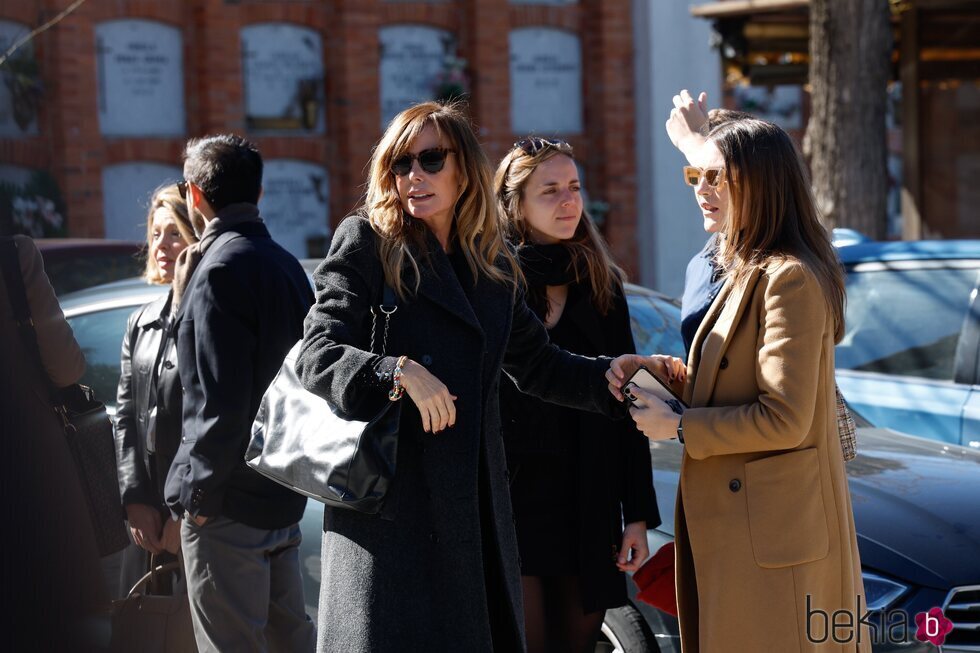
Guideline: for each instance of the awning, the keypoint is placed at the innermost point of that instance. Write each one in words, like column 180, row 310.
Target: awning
column 733, row 8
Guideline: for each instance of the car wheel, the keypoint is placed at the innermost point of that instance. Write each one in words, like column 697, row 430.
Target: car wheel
column 625, row 631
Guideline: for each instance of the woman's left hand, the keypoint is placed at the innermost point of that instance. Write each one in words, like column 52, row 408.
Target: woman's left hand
column 635, row 541
column 654, row 417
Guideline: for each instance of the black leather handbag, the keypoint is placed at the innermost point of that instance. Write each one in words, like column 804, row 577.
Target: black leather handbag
column 86, row 423
column 299, row 441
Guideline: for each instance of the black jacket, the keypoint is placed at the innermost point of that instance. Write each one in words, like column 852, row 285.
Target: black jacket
column 242, row 311
column 148, row 406
column 615, row 469
column 430, row 569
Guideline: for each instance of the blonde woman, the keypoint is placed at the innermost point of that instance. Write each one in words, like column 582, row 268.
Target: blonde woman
column 148, row 414
column 437, row 570
column 575, row 478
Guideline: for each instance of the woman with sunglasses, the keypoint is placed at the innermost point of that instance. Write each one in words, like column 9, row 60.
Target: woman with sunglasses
column 148, row 413
column 437, row 570
column 763, row 505
column 575, row 478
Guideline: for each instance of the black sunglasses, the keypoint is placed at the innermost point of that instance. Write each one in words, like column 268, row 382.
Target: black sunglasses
column 431, row 161
column 533, row 144
column 182, row 189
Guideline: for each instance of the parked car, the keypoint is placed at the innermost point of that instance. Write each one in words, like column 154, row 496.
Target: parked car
column 910, row 357
column 75, row 263
column 917, row 516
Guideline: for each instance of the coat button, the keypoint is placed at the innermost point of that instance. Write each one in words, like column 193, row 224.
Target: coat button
column 168, row 365
column 735, row 485
column 723, row 364
column 426, row 359
column 434, row 537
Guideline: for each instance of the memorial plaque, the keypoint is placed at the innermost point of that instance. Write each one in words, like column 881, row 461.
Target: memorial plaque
column 782, row 105
column 20, row 92
column 545, row 81
column 126, row 192
column 283, row 69
column 14, row 175
column 411, row 57
column 295, row 205
column 140, row 78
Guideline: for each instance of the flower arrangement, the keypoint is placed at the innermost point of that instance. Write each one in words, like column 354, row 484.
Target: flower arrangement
column 22, row 78
column 35, row 208
column 451, row 83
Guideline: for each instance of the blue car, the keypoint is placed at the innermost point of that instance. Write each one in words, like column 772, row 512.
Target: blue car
column 910, row 357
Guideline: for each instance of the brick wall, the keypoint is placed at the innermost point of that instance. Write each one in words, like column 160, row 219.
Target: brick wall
column 70, row 144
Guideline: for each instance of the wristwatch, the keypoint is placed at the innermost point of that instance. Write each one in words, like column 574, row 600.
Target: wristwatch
column 680, row 430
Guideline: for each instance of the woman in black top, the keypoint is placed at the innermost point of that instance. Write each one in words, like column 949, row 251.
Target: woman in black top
column 576, row 477
column 148, row 414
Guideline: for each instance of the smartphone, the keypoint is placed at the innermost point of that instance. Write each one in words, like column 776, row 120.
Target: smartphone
column 652, row 383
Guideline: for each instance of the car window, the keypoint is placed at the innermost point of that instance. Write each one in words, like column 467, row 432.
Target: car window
column 905, row 321
column 84, row 272
column 100, row 335
column 656, row 326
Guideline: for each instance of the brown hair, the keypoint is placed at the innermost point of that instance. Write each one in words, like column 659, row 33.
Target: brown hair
column 167, row 197
column 773, row 215
column 590, row 254
column 718, row 117
column 476, row 225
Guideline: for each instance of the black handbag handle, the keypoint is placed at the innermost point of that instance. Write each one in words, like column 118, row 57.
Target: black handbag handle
column 14, row 279
column 161, row 569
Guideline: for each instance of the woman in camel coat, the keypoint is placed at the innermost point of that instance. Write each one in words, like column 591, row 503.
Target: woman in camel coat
column 765, row 539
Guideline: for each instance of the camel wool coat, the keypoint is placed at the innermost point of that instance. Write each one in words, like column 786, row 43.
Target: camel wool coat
column 764, row 530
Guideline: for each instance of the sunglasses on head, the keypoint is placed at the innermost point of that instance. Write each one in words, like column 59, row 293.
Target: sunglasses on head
column 714, row 177
column 431, row 161
column 534, row 144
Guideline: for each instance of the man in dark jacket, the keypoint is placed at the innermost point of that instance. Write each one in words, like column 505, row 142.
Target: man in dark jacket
column 241, row 300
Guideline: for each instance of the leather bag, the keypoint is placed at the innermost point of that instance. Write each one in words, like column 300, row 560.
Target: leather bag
column 86, row 423
column 150, row 623
column 299, row 441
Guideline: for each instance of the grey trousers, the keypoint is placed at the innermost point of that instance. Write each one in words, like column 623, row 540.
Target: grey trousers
column 245, row 588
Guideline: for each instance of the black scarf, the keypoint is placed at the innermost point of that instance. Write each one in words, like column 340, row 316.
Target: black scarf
column 545, row 265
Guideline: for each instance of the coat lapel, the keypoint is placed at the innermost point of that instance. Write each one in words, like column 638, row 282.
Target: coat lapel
column 713, row 336
column 439, row 284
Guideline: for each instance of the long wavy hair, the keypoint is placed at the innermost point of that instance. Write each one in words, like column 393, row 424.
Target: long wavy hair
column 167, row 197
column 772, row 213
column 589, row 253
column 476, row 225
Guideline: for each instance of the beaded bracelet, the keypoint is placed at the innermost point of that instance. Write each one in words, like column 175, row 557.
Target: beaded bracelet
column 397, row 390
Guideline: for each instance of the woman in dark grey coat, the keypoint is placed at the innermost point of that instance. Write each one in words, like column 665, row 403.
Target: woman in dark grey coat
column 438, row 569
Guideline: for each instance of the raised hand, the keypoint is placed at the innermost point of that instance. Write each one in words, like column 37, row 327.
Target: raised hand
column 688, row 121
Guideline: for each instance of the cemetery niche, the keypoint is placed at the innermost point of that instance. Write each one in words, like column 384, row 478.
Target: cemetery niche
column 545, row 81
column 295, row 206
column 284, row 78
column 140, row 78
column 126, row 192
column 417, row 64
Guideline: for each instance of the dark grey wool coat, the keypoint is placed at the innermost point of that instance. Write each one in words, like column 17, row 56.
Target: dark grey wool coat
column 418, row 577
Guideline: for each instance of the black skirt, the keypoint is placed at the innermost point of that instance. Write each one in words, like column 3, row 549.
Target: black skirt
column 544, row 490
